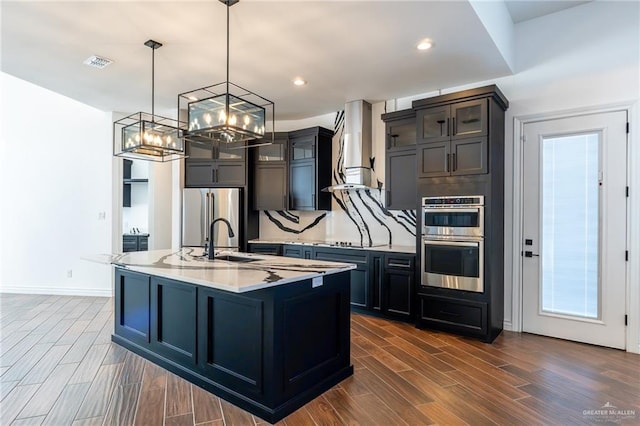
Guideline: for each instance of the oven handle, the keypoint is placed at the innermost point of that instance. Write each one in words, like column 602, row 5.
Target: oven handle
column 451, row 243
column 450, row 210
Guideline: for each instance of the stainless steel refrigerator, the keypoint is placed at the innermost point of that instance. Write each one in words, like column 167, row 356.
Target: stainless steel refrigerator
column 200, row 206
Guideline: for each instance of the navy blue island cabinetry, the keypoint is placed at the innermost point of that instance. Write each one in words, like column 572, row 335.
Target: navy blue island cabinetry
column 269, row 350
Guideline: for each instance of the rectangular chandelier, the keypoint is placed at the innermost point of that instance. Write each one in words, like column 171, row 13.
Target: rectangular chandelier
column 227, row 113
column 148, row 137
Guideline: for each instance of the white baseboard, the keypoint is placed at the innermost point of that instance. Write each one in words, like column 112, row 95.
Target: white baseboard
column 507, row 326
column 92, row 292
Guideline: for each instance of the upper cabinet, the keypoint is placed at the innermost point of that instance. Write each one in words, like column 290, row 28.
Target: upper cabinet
column 400, row 160
column 310, row 165
column 453, row 132
column 210, row 165
column 270, row 177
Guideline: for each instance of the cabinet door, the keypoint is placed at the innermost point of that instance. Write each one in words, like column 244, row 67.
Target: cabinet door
column 203, row 150
column 307, row 252
column 399, row 275
column 277, row 151
column 126, row 195
column 469, row 118
column 132, row 311
column 302, row 183
column 223, row 152
column 143, row 243
column 469, row 156
column 433, row 124
column 292, row 251
column 199, row 173
column 129, row 243
column 401, row 180
column 433, row 159
column 361, row 284
column 231, row 340
column 230, row 173
column 270, row 187
column 377, row 276
column 401, row 133
column 173, row 320
column 302, row 148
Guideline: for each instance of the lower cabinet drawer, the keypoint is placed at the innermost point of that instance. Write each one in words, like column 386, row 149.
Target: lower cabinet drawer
column 455, row 313
column 129, row 243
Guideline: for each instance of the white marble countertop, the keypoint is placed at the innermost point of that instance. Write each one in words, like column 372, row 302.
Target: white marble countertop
column 393, row 248
column 189, row 266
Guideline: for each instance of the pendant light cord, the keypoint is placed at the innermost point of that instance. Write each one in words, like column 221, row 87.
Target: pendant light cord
column 227, row 100
column 153, row 77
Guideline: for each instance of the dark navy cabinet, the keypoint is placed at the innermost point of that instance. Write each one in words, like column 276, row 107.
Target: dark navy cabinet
column 132, row 313
column 271, row 173
column 461, row 149
column 400, row 166
column 310, row 165
column 211, row 165
column 268, row 351
column 135, row 242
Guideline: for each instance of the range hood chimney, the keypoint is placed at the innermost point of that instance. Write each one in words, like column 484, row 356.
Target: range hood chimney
column 357, row 147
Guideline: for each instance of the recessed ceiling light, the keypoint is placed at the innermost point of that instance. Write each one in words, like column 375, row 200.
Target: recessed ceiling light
column 425, row 45
column 298, row 81
column 97, row 61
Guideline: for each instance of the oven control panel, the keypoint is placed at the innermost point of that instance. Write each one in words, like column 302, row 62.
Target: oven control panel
column 474, row 200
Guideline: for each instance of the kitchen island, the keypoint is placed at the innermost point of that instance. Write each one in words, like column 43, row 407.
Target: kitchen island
column 266, row 333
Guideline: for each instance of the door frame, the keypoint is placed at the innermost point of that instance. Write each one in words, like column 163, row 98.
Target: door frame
column 632, row 284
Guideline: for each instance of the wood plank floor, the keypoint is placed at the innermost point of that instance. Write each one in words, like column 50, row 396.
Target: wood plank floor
column 59, row 367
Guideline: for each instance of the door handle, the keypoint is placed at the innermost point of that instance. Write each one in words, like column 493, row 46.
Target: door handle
column 530, row 254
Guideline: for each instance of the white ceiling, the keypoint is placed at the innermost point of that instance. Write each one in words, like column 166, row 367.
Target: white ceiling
column 345, row 50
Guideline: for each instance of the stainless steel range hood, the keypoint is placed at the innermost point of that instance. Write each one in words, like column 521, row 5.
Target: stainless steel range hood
column 357, row 148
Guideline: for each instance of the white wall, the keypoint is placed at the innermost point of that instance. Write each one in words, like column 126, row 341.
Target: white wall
column 56, row 192
column 160, row 205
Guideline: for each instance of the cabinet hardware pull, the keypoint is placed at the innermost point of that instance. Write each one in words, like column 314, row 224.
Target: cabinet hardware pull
column 399, row 265
column 453, row 126
column 448, row 155
column 448, row 126
column 454, row 161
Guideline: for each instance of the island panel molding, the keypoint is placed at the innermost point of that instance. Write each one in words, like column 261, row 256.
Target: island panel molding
column 278, row 339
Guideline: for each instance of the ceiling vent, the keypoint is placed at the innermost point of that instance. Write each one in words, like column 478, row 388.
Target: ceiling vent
column 97, row 62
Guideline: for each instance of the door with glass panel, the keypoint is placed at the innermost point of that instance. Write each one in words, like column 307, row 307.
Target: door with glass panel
column 574, row 228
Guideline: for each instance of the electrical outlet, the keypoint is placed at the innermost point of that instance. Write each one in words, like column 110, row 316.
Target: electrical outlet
column 70, row 273
column 102, row 215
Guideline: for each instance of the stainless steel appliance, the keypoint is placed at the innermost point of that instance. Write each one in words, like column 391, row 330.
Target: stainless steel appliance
column 453, row 242
column 200, row 207
column 453, row 216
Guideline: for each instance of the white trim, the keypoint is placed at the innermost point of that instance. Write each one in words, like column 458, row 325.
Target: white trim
column 633, row 206
column 633, row 242
column 507, row 326
column 60, row 291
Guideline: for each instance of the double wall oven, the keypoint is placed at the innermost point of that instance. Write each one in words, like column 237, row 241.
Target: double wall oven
column 453, row 242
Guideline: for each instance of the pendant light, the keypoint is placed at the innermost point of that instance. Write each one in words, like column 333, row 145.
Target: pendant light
column 144, row 136
column 226, row 113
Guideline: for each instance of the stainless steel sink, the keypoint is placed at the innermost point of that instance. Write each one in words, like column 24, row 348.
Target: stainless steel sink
column 232, row 258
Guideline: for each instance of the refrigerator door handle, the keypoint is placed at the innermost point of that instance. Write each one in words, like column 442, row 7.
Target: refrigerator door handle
column 206, row 219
